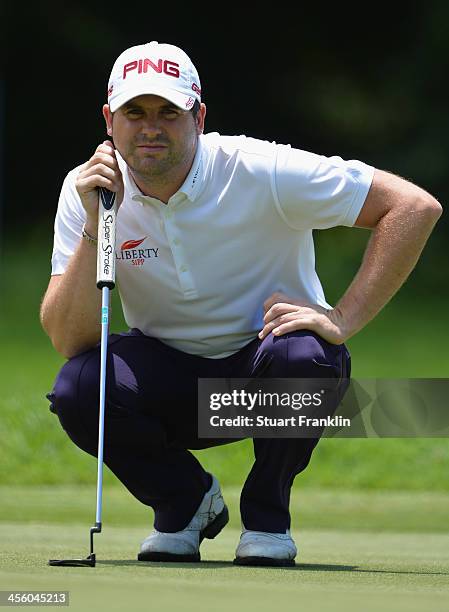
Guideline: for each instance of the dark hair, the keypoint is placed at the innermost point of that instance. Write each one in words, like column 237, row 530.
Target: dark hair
column 195, row 108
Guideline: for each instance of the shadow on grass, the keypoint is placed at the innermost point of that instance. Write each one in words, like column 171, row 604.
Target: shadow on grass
column 168, row 565
column 219, row 565
column 317, row 567
column 305, row 567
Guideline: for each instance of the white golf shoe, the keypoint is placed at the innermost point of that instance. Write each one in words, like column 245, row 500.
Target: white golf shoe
column 267, row 549
column 207, row 522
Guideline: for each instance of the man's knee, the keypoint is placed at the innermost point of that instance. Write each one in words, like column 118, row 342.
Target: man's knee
column 301, row 354
column 76, row 401
column 72, row 396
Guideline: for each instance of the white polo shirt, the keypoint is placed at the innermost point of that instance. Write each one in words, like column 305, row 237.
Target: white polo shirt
column 195, row 272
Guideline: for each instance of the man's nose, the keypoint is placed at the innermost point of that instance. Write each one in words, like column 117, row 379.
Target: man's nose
column 150, row 131
column 150, row 127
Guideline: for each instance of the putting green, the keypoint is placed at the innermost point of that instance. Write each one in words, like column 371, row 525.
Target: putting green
column 347, row 571
column 382, row 566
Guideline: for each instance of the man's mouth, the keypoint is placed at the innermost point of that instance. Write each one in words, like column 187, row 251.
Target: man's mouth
column 152, row 147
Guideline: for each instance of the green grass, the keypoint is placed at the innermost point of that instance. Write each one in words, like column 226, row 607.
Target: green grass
column 424, row 512
column 370, row 516
column 408, row 339
column 336, row 572
column 367, row 551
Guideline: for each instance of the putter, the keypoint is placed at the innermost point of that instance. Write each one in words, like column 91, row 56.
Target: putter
column 105, row 281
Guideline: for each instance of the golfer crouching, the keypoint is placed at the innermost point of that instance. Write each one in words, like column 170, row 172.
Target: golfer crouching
column 216, row 275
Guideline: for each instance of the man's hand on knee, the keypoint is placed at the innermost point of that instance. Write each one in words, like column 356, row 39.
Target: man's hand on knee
column 283, row 314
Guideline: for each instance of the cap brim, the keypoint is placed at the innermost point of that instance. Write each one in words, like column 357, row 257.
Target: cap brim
column 178, row 98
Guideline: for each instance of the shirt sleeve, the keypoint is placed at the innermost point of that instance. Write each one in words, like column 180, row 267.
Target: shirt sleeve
column 317, row 192
column 69, row 221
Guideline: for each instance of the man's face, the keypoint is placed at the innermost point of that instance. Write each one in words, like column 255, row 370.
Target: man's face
column 156, row 138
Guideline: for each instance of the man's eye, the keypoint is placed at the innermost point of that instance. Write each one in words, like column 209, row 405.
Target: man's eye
column 170, row 113
column 133, row 112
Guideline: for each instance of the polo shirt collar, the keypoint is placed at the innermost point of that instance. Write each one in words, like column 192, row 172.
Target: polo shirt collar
column 130, row 186
column 194, row 180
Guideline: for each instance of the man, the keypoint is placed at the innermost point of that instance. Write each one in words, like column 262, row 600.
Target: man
column 215, row 268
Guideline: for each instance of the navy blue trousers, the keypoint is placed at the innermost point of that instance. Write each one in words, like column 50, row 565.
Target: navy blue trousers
column 151, row 420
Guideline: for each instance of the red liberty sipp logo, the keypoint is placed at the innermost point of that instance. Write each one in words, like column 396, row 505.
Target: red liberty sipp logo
column 129, row 251
column 131, row 244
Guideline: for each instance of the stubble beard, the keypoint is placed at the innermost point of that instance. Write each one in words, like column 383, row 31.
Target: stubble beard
column 153, row 171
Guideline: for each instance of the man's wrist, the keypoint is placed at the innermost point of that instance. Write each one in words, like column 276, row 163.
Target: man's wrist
column 339, row 320
column 91, row 227
column 88, row 235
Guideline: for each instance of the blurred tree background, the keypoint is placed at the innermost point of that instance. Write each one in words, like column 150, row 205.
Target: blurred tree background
column 366, row 83
column 334, row 81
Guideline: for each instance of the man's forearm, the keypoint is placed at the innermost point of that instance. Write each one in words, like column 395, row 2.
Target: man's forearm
column 391, row 254
column 70, row 312
column 401, row 216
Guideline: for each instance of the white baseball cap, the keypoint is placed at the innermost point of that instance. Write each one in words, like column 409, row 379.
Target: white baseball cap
column 154, row 68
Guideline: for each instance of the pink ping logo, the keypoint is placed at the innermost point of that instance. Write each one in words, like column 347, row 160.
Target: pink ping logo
column 143, row 65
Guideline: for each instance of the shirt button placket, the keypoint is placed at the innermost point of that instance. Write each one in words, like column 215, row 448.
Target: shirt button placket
column 185, row 279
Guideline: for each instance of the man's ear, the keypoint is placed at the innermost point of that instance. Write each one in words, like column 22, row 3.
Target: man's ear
column 108, row 118
column 200, row 118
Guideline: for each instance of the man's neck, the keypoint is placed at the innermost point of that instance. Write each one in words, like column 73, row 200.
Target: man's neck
column 161, row 190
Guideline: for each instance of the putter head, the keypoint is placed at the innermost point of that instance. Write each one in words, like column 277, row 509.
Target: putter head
column 87, row 562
